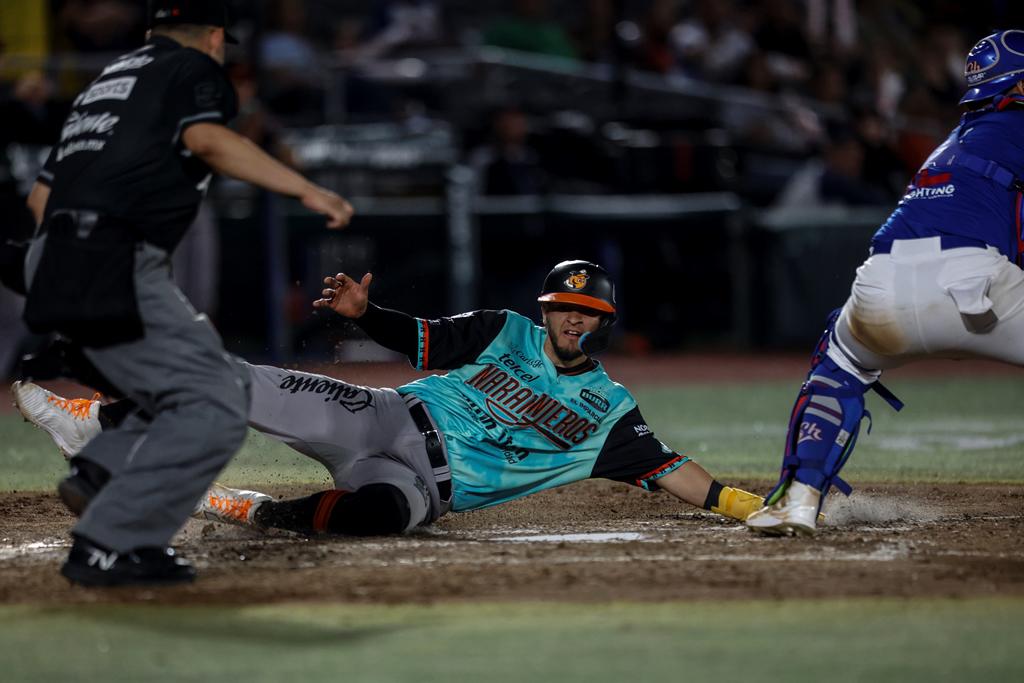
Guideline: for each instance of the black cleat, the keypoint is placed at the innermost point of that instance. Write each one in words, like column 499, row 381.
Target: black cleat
column 93, row 566
column 81, row 486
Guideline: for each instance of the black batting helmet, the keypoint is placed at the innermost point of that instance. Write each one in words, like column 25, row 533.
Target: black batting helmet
column 584, row 284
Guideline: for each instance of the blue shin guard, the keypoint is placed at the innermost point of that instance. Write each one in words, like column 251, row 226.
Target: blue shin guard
column 824, row 424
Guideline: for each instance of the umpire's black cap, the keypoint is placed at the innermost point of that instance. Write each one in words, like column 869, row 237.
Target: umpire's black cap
column 195, row 12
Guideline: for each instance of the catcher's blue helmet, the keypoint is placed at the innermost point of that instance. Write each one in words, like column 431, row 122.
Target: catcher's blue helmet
column 994, row 65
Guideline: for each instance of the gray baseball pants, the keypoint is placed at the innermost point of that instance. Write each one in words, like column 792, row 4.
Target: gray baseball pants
column 362, row 435
column 197, row 395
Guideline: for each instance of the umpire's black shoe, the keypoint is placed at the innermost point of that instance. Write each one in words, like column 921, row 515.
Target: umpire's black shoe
column 89, row 564
column 81, row 486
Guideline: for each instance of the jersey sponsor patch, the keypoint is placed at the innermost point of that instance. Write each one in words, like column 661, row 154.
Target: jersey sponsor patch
column 595, row 399
column 642, row 430
column 115, row 89
column 516, row 369
column 88, row 145
column 351, row 398
column 88, row 124
column 128, row 64
column 942, row 192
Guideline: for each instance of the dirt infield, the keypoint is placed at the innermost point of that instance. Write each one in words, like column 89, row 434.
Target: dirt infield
column 595, row 541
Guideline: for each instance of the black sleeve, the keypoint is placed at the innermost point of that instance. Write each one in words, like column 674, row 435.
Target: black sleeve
column 391, row 329
column 448, row 343
column 631, row 454
column 440, row 344
column 201, row 93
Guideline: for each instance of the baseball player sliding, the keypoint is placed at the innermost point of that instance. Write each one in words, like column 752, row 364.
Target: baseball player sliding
column 943, row 280
column 522, row 409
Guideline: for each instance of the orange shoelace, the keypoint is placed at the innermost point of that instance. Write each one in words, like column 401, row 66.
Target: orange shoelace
column 229, row 507
column 77, row 408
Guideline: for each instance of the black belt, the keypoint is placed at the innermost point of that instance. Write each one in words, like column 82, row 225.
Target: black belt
column 435, row 453
column 946, row 241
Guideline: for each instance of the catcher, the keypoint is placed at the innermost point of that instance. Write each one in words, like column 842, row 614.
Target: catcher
column 523, row 409
column 944, row 280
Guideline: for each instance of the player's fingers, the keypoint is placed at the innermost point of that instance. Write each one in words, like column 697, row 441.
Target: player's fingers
column 365, row 282
column 328, row 294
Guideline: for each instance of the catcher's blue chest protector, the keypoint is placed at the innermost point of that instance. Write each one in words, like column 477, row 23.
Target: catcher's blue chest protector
column 969, row 189
column 825, row 421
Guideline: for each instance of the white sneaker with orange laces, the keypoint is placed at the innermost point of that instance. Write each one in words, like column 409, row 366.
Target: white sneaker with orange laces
column 70, row 422
column 228, row 505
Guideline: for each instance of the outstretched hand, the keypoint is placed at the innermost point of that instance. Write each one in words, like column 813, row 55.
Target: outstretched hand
column 345, row 296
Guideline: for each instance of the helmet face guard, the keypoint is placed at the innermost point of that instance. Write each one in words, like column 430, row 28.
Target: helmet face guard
column 994, row 65
column 586, row 284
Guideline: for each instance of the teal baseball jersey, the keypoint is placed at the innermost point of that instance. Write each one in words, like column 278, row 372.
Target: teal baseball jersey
column 515, row 424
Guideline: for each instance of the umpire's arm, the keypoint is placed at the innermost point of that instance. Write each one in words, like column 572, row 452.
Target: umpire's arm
column 37, row 200
column 227, row 152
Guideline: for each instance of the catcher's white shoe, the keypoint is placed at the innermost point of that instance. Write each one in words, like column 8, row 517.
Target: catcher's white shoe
column 795, row 513
column 70, row 422
column 228, row 505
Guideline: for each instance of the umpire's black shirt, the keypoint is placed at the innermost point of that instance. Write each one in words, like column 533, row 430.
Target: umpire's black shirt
column 120, row 152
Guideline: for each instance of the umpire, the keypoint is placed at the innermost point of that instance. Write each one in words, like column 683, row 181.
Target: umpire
column 116, row 195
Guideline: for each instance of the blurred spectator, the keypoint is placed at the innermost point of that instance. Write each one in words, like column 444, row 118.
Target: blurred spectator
column 509, row 165
column 596, row 42
column 100, row 25
column 654, row 52
column 284, row 46
column 830, row 84
column 832, row 25
column 293, row 78
column 254, row 121
column 883, row 167
column 780, row 34
column 530, row 30
column 395, row 24
column 943, row 70
column 782, row 124
column 836, row 179
column 712, row 45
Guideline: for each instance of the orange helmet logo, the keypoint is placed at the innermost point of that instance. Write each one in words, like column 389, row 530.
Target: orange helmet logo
column 577, row 279
column 973, row 67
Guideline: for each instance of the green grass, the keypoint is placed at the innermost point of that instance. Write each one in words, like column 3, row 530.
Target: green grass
column 835, row 641
column 951, row 430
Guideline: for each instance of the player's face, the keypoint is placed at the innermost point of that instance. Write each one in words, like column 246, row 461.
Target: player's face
column 565, row 324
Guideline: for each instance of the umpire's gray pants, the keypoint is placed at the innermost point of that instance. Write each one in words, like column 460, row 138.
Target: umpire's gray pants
column 362, row 435
column 197, row 397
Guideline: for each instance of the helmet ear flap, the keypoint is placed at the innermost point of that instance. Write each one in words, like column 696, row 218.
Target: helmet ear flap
column 598, row 340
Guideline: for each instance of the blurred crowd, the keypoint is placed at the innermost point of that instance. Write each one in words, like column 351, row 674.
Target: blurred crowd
column 856, row 90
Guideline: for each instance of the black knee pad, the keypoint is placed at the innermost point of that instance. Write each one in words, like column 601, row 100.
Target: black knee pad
column 373, row 510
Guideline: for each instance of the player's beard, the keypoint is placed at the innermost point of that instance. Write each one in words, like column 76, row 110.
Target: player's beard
column 566, row 355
